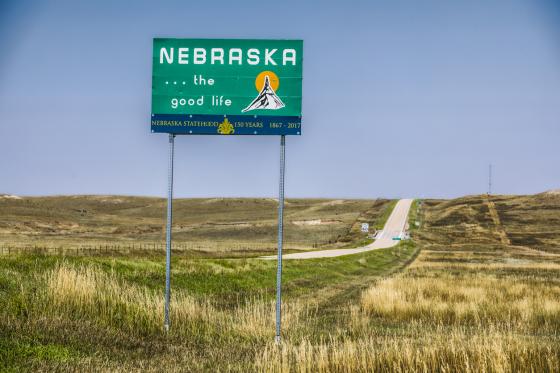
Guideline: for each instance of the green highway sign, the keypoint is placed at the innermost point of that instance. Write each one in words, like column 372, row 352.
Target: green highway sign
column 227, row 86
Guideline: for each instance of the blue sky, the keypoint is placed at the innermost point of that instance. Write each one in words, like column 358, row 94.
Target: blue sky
column 401, row 99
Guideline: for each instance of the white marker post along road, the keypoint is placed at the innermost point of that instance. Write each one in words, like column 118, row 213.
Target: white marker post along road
column 394, row 227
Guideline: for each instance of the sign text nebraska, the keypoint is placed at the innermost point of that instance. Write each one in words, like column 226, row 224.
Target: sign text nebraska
column 221, row 56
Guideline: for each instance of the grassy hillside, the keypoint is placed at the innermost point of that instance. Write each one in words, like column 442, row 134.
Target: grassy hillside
column 528, row 221
column 532, row 221
column 466, row 307
column 457, row 298
column 469, row 302
column 231, row 225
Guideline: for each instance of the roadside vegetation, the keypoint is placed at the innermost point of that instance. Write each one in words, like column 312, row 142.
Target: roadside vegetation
column 107, row 314
column 467, row 303
column 455, row 298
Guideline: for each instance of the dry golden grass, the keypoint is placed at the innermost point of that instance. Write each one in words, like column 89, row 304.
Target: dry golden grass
column 530, row 221
column 439, row 353
column 89, row 292
column 474, row 306
column 521, row 265
column 477, row 300
column 469, row 303
column 427, row 319
column 204, row 225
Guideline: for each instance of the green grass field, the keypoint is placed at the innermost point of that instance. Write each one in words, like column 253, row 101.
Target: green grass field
column 455, row 298
column 106, row 313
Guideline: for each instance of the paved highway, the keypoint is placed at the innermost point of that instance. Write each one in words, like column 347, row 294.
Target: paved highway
column 394, row 227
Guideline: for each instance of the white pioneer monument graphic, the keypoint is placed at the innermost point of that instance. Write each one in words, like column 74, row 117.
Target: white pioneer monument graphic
column 267, row 99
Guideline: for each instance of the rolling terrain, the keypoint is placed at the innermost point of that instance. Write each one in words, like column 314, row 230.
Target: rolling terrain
column 522, row 221
column 210, row 226
column 476, row 289
column 473, row 300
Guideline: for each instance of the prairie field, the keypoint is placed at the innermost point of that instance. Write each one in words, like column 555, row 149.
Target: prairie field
column 467, row 303
column 106, row 314
column 462, row 295
column 105, row 225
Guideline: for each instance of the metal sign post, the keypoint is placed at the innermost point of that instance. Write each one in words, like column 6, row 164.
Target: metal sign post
column 168, row 231
column 280, row 237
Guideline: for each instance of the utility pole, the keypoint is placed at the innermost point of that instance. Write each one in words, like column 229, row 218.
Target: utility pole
column 490, row 179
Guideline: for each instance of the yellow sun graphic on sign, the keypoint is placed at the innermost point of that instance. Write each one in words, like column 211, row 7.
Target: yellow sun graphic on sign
column 266, row 84
column 272, row 78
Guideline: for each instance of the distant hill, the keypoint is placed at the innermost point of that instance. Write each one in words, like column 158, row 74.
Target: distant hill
column 9, row 196
column 553, row 192
column 250, row 224
column 531, row 221
column 125, row 220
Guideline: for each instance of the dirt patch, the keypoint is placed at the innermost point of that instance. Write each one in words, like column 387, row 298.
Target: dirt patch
column 334, row 202
column 315, row 222
column 9, row 196
column 517, row 261
column 554, row 192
